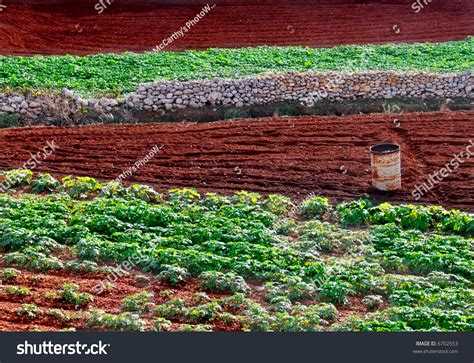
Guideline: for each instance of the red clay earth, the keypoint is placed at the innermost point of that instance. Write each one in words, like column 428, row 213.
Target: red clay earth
column 295, row 156
column 73, row 27
column 42, row 283
column 123, row 286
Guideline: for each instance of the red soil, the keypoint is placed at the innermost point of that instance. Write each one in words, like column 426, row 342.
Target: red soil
column 74, row 27
column 289, row 155
column 109, row 301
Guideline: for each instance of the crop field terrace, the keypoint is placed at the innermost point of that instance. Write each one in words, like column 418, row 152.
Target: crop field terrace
column 248, row 223
column 72, row 252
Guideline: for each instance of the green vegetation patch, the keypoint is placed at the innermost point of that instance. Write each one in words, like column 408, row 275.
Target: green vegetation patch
column 115, row 75
column 410, row 266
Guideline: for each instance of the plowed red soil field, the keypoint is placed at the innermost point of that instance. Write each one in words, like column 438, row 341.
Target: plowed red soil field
column 27, row 27
column 290, row 155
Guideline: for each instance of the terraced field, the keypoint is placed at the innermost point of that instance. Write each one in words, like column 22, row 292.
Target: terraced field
column 40, row 27
column 72, row 255
column 290, row 155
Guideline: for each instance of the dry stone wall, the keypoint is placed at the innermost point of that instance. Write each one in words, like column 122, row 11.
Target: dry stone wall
column 302, row 87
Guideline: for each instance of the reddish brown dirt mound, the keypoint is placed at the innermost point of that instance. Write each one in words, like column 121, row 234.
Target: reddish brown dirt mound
column 76, row 28
column 290, row 155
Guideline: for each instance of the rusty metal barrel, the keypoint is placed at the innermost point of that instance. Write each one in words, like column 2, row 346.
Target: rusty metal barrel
column 386, row 167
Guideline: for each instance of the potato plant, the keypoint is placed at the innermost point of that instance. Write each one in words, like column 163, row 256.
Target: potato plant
column 411, row 266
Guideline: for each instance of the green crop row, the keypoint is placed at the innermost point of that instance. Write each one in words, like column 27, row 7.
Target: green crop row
column 115, row 75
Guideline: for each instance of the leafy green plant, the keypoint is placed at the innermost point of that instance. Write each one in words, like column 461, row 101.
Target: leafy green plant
column 172, row 309
column 325, row 311
column 173, row 275
column 187, row 328
column 292, row 288
column 144, row 192
column 112, row 189
column 372, row 301
column 161, row 324
column 18, row 177
column 315, row 207
column 223, row 282
column 9, row 274
column 183, row 195
column 139, row 302
column 33, row 260
column 17, row 291
column 80, row 187
column 81, row 266
column 278, row 204
column 31, row 311
column 355, row 213
column 121, row 322
column 44, row 183
column 70, row 294
column 334, row 292
column 64, row 316
column 204, row 313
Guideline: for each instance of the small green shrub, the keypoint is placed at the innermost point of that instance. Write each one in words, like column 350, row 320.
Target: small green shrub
column 18, row 177
column 355, row 213
column 80, row 187
column 31, row 311
column 334, row 292
column 161, row 324
column 325, row 311
column 186, row 328
column 292, row 288
column 173, row 275
column 17, row 291
column 9, row 274
column 372, row 302
column 139, row 302
column 64, row 317
column 172, row 309
column 277, row 204
column 44, row 183
column 122, row 322
column 183, row 195
column 33, row 260
column 144, row 192
column 204, row 313
column 81, row 266
column 70, row 294
column 8, row 120
column 112, row 189
column 223, row 282
column 315, row 207
column 200, row 298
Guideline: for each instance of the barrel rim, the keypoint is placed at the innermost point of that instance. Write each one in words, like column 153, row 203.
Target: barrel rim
column 385, row 148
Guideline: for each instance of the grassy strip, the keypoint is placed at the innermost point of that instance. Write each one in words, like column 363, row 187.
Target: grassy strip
column 111, row 74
